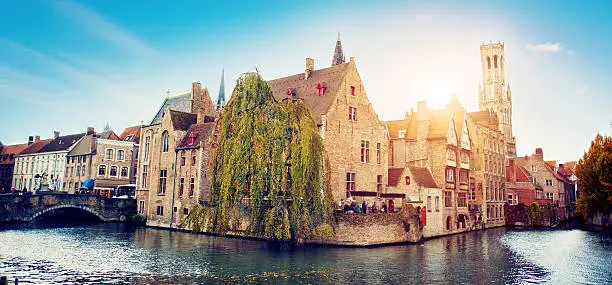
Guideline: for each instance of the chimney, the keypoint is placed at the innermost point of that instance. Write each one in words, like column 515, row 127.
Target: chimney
column 422, row 110
column 539, row 151
column 309, row 67
column 30, row 140
column 56, row 134
column 90, row 130
column 561, row 169
column 352, row 59
column 36, row 138
column 196, row 96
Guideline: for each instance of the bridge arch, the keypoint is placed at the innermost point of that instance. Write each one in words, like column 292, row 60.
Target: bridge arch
column 83, row 208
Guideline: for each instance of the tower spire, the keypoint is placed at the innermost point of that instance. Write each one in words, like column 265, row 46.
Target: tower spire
column 338, row 54
column 221, row 97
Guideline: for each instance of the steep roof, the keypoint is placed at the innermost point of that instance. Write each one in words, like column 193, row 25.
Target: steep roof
column 182, row 120
column 393, row 176
column 108, row 135
column 179, row 103
column 61, row 143
column 198, row 132
column 571, row 165
column 554, row 173
column 306, row 89
column 131, row 134
column 9, row 152
column 36, row 146
column 485, row 118
column 516, row 172
column 395, row 126
column 422, row 177
column 84, row 146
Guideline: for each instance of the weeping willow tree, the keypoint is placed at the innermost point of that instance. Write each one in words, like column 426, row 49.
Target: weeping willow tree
column 269, row 167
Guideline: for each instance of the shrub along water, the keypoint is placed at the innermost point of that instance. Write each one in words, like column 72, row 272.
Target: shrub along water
column 269, row 173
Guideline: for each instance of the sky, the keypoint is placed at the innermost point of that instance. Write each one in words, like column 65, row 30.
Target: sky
column 67, row 65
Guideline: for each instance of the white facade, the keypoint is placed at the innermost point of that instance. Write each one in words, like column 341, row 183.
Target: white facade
column 49, row 166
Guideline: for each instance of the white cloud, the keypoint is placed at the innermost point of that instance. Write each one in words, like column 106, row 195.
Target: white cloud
column 547, row 47
column 99, row 26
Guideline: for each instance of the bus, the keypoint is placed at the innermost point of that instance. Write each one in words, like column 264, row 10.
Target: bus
column 127, row 191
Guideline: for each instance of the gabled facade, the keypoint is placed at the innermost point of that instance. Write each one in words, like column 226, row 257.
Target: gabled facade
column 132, row 134
column 354, row 138
column 24, row 174
column 521, row 188
column 8, row 153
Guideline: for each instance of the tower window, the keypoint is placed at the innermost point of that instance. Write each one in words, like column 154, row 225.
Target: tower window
column 495, row 61
column 488, row 62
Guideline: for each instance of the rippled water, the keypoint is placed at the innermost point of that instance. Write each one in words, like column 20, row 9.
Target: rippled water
column 121, row 254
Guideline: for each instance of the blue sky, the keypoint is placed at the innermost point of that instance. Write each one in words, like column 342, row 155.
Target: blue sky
column 66, row 65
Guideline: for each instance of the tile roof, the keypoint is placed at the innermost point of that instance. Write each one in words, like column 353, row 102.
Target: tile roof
column 177, row 103
column 9, row 152
column 306, row 89
column 571, row 165
column 516, row 172
column 394, row 176
column 182, row 120
column 61, row 143
column 422, row 177
column 131, row 134
column 199, row 132
column 554, row 173
column 552, row 163
column 36, row 146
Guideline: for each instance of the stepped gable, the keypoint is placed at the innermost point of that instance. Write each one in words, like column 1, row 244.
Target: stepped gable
column 331, row 79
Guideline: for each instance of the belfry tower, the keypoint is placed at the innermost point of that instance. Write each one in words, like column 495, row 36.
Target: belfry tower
column 494, row 94
column 338, row 53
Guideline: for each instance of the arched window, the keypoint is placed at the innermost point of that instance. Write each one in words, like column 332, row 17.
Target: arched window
column 120, row 155
column 102, row 170
column 146, row 147
column 165, row 141
column 113, row 171
column 488, row 62
column 109, row 154
column 495, row 61
column 124, row 171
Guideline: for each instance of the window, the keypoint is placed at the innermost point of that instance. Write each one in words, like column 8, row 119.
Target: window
column 352, row 113
column 450, row 175
column 350, row 181
column 495, row 61
column 120, row 155
column 113, row 171
column 145, row 172
column 451, row 155
column 465, row 158
column 365, row 151
column 146, row 146
column 510, row 200
column 162, row 182
column 428, row 204
column 461, row 199
column 401, row 134
column 533, row 168
column 488, row 62
column 193, row 160
column 437, row 204
column 463, row 177
column 165, row 141
column 448, row 198
column 353, row 90
column 141, row 207
column 102, row 170
column 379, row 184
column 124, row 171
column 549, row 182
column 183, row 161
column 72, row 171
column 109, row 154
column 76, row 185
column 378, row 153
column 72, row 160
column 160, row 210
column 67, row 171
column 549, row 195
column 78, row 172
column 191, row 186
column 181, row 186
column 185, row 211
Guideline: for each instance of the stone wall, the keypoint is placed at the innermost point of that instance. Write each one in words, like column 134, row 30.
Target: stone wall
column 518, row 215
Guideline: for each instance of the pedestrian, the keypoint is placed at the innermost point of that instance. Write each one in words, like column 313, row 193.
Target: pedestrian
column 364, row 207
column 383, row 208
column 357, row 208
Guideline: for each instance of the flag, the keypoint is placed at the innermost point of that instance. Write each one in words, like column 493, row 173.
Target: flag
column 424, row 216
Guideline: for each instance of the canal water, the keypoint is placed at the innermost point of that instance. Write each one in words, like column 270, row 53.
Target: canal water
column 48, row 252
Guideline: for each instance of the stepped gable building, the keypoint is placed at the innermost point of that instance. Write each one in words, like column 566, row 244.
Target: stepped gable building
column 495, row 95
column 132, row 134
column 50, row 161
column 438, row 140
column 488, row 165
column 354, row 138
column 547, row 177
column 24, row 173
column 103, row 157
column 521, row 188
column 160, row 160
column 8, row 153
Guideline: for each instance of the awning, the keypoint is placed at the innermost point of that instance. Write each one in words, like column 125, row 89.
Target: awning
column 364, row 193
column 89, row 184
column 393, row 195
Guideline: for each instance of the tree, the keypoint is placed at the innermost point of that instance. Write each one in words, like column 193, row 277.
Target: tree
column 594, row 172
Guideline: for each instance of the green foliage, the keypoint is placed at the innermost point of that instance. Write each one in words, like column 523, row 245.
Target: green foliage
column 198, row 219
column 594, row 172
column 138, row 219
column 269, row 166
column 536, row 214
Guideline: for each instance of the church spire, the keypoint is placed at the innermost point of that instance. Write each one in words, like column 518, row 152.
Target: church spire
column 221, row 97
column 338, row 54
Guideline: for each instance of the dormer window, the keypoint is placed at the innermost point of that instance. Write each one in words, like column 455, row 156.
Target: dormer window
column 321, row 87
column 192, row 137
column 401, row 134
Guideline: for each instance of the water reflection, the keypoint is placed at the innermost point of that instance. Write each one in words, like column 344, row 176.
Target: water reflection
column 118, row 253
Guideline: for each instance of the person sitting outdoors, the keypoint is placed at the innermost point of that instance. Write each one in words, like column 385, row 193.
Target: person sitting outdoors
column 357, row 208
column 364, row 207
column 383, row 208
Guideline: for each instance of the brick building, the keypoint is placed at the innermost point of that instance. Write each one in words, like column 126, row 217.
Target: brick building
column 160, row 160
column 438, row 140
column 8, row 153
column 521, row 186
column 488, row 165
column 132, row 134
column 354, row 138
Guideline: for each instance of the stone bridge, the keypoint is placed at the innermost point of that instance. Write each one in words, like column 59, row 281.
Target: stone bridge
column 18, row 208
